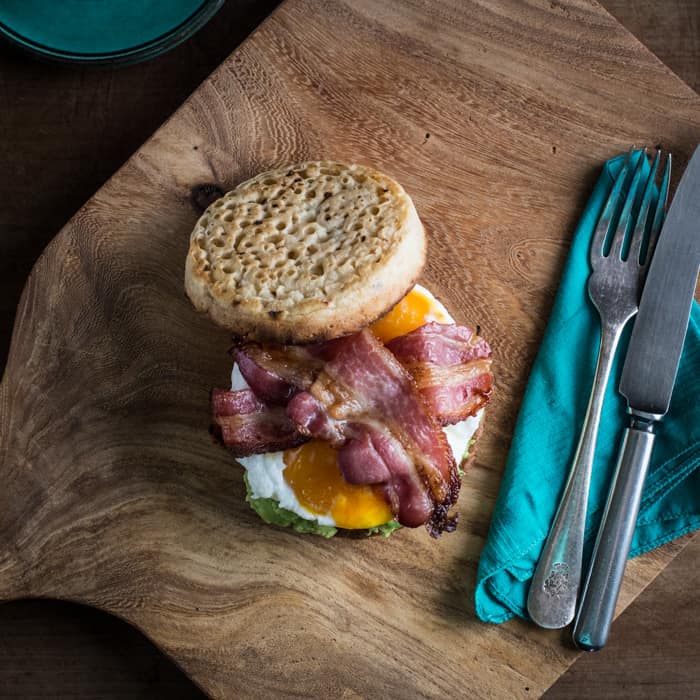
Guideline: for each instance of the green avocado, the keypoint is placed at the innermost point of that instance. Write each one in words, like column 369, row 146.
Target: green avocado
column 271, row 512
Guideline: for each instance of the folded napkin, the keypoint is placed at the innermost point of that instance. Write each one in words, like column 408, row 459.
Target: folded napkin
column 548, row 428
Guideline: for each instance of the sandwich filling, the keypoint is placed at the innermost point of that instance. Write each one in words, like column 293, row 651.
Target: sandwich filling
column 360, row 432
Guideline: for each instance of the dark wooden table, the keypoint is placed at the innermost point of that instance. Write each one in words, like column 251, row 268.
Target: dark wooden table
column 63, row 131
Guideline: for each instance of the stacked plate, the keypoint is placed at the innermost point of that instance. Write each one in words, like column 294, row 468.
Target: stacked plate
column 102, row 31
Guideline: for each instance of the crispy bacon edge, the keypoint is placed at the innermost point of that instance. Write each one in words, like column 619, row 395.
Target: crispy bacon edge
column 246, row 425
column 452, row 368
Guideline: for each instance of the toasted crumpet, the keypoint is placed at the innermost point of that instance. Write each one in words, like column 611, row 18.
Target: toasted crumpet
column 305, row 253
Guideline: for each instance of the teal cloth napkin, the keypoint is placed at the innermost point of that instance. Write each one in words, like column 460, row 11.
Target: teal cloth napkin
column 548, row 427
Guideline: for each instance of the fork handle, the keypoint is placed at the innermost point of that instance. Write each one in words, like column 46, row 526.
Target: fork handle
column 614, row 539
column 552, row 597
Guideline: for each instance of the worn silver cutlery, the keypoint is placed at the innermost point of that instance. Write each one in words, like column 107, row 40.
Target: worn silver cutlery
column 619, row 262
column 648, row 377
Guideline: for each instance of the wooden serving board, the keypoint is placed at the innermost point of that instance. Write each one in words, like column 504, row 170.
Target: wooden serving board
column 496, row 117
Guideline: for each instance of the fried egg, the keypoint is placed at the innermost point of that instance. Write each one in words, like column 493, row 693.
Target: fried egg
column 307, row 479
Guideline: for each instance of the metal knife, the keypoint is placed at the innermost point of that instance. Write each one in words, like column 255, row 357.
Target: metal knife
column 648, row 376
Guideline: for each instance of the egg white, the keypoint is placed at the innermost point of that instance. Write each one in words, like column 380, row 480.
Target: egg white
column 265, row 471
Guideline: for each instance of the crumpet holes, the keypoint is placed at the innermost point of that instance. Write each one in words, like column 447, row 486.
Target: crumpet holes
column 317, row 228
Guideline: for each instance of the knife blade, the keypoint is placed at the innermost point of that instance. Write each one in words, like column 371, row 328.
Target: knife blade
column 654, row 352
column 648, row 375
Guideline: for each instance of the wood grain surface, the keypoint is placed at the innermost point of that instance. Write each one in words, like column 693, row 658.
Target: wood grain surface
column 114, row 496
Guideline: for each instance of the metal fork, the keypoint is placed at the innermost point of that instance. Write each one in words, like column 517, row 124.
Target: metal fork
column 614, row 287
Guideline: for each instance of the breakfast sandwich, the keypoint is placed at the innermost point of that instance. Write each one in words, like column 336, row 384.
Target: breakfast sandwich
column 354, row 395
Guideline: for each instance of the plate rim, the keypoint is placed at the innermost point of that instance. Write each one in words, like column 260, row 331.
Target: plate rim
column 132, row 54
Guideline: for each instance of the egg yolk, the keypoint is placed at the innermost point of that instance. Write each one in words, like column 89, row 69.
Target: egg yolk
column 413, row 311
column 312, row 470
column 313, row 473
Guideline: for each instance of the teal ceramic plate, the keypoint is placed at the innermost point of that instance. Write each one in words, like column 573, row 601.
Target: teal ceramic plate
column 102, row 31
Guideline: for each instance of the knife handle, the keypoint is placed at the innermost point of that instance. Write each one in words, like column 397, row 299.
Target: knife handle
column 612, row 546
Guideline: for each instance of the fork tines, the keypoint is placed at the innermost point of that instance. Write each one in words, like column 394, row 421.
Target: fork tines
column 625, row 204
